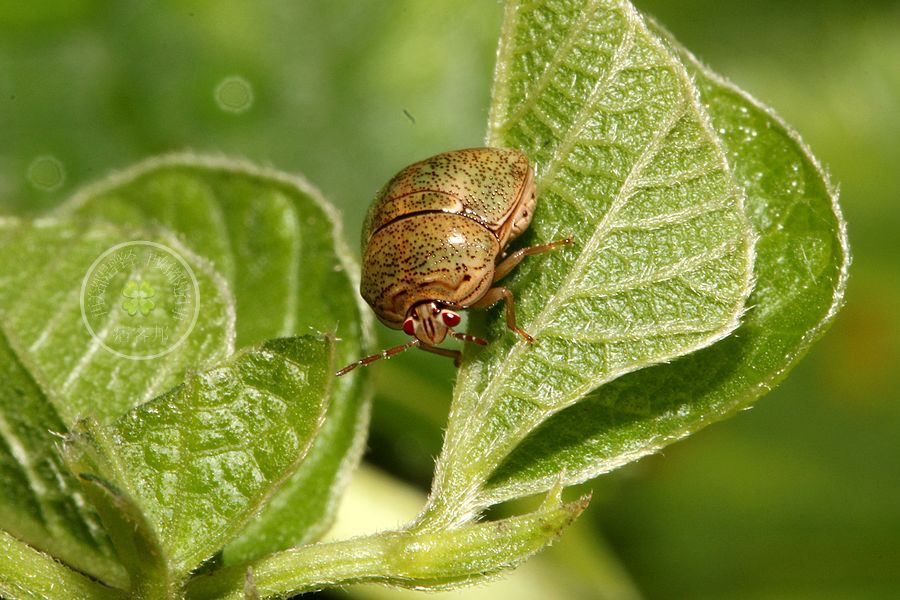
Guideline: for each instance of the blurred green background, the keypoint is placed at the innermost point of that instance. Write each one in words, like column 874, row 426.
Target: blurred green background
column 797, row 498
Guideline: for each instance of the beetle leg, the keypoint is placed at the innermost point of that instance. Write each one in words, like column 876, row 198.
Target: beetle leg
column 456, row 355
column 383, row 354
column 493, row 296
column 509, row 263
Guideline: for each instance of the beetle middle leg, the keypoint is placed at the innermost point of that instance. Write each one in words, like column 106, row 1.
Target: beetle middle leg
column 496, row 294
column 493, row 296
column 509, row 263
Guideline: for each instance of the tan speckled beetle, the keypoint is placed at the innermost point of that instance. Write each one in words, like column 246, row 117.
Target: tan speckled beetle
column 431, row 240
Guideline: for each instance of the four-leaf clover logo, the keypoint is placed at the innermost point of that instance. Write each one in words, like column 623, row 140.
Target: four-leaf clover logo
column 138, row 298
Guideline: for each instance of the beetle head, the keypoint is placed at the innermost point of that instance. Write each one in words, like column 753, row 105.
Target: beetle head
column 429, row 322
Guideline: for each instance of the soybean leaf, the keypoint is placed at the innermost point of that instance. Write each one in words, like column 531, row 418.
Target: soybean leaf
column 46, row 269
column 278, row 244
column 137, row 544
column 41, row 503
column 418, row 560
column 201, row 459
column 53, row 370
column 27, row 573
column 626, row 162
column 801, row 273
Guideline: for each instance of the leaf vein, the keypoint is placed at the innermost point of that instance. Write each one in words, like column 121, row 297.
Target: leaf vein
column 679, row 178
column 601, row 87
column 673, row 218
column 685, row 265
column 637, row 334
column 564, row 48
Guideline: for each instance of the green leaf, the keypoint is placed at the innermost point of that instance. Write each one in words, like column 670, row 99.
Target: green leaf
column 54, row 370
column 200, row 460
column 410, row 559
column 44, row 267
column 278, row 244
column 41, row 503
column 26, row 573
column 137, row 544
column 627, row 163
column 801, row 273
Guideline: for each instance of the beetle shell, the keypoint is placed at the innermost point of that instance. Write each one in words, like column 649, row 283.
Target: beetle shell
column 484, row 184
column 435, row 230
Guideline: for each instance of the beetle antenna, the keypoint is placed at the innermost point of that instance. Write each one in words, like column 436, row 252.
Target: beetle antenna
column 383, row 354
column 468, row 338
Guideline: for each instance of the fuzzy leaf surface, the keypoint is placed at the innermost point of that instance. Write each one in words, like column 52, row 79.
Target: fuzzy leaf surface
column 43, row 266
column 277, row 243
column 53, row 370
column 801, row 273
column 41, row 502
column 27, row 573
column 627, row 164
column 201, row 459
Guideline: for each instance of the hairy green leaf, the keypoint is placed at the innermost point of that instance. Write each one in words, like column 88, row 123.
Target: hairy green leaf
column 26, row 573
column 801, row 273
column 201, row 459
column 410, row 559
column 278, row 244
column 53, row 370
column 46, row 269
column 626, row 163
column 138, row 546
column 41, row 503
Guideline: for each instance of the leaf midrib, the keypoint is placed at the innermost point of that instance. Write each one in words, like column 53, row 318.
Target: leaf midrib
column 513, row 358
column 563, row 149
column 577, row 271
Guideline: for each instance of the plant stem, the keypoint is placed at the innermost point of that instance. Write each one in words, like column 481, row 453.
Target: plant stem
column 418, row 560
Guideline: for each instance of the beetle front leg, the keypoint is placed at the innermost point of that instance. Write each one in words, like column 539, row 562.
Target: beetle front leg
column 456, row 355
column 494, row 295
column 383, row 354
column 509, row 263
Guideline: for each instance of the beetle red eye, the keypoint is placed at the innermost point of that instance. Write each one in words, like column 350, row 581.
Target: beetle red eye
column 451, row 319
column 409, row 327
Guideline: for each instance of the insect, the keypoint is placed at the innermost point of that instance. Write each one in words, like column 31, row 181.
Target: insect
column 431, row 243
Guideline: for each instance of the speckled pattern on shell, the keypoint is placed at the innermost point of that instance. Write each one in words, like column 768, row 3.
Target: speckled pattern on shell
column 482, row 183
column 436, row 229
column 431, row 256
